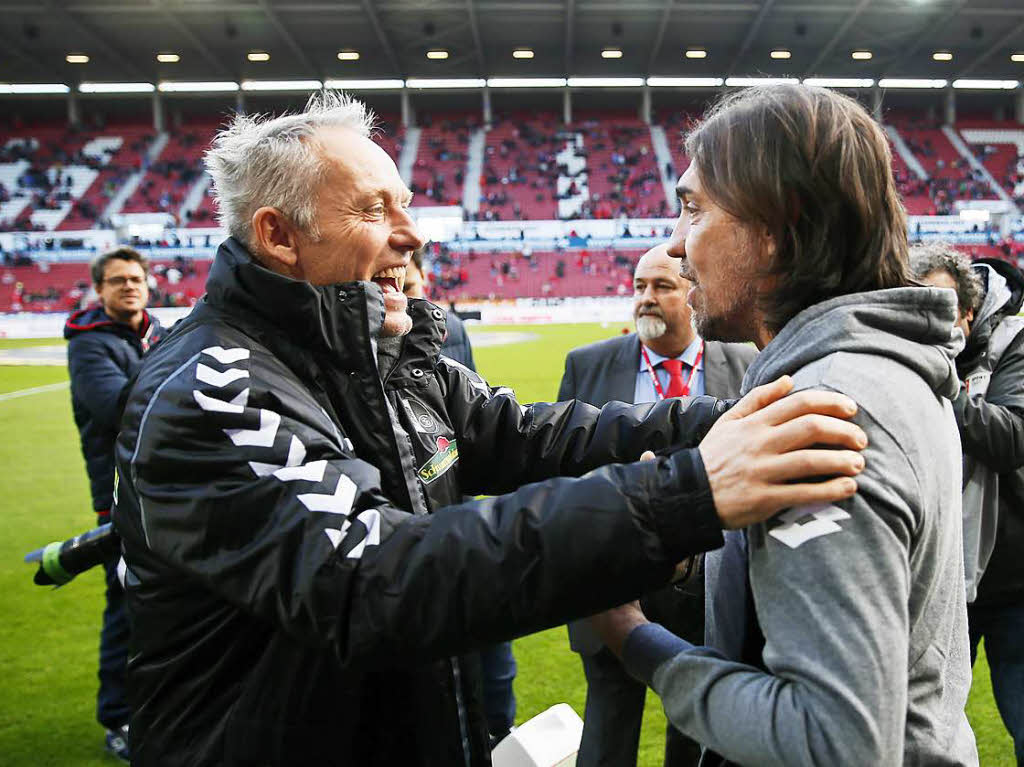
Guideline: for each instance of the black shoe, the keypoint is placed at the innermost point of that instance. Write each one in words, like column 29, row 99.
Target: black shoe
column 117, row 743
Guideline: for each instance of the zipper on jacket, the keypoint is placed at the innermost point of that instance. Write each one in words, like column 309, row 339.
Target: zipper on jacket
column 460, row 705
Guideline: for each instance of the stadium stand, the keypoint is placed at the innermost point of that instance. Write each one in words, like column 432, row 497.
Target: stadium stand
column 173, row 172
column 623, row 174
column 439, row 172
column 520, row 172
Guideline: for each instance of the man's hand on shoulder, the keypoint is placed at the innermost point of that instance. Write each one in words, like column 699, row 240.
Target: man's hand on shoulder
column 757, row 452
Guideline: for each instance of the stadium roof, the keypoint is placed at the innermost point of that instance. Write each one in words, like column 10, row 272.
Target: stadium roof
column 303, row 38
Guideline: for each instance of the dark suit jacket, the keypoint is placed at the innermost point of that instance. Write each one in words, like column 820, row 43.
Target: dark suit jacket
column 604, row 371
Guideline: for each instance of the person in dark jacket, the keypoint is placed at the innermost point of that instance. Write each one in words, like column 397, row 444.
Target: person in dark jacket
column 623, row 368
column 303, row 577
column 105, row 348
column 990, row 414
column 497, row 663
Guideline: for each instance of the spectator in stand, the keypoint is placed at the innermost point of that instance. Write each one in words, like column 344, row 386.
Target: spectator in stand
column 105, row 348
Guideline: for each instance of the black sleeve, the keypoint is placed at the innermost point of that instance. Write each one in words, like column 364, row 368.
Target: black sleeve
column 503, row 444
column 255, row 496
column 992, row 425
column 567, row 388
column 96, row 379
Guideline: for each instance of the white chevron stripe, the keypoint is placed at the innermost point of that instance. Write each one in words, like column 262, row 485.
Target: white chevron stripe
column 296, row 455
column 227, row 356
column 335, row 536
column 261, row 437
column 370, row 518
column 215, row 378
column 309, row 472
column 340, row 502
column 214, row 405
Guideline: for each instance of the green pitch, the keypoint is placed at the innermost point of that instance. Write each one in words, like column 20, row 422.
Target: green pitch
column 48, row 639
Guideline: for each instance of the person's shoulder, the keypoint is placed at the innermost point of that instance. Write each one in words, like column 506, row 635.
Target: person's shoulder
column 599, row 349
column 744, row 353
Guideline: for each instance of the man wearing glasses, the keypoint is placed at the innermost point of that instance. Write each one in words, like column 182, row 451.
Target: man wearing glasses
column 105, row 347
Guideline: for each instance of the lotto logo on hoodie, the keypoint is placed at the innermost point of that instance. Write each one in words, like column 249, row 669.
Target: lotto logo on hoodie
column 445, row 457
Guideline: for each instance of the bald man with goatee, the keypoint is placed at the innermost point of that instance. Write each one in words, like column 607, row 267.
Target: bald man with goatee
column 664, row 358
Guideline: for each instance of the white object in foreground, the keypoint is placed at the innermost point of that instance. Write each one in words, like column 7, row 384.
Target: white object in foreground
column 550, row 739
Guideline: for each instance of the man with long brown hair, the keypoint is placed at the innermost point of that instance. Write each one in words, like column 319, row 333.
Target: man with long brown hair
column 836, row 633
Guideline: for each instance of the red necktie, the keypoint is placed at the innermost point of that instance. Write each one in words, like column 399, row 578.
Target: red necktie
column 675, row 377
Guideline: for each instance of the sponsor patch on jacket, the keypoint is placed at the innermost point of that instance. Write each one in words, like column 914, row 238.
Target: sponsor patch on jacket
column 804, row 523
column 445, row 457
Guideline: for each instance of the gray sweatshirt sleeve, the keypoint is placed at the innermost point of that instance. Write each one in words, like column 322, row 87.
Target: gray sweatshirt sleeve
column 831, row 589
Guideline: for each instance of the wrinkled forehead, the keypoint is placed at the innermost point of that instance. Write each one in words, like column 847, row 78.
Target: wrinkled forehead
column 358, row 163
column 658, row 266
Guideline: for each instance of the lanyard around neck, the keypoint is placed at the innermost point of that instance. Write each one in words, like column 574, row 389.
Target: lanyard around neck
column 654, row 376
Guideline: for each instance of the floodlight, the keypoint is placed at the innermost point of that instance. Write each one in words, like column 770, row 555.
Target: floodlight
column 168, row 58
column 904, row 82
column 780, row 54
column 684, row 82
column 861, row 55
column 522, row 53
column 605, row 82
column 258, row 56
column 526, row 82
column 696, row 53
column 116, row 87
column 76, row 58
column 611, row 53
column 437, row 55
column 348, row 55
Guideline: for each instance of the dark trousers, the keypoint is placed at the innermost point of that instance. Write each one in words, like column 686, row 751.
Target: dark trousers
column 499, row 671
column 614, row 711
column 1003, row 631
column 112, row 701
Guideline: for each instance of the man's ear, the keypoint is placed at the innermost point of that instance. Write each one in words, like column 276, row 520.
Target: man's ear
column 969, row 316
column 275, row 238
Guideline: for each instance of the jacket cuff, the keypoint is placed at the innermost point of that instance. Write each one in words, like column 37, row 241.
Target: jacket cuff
column 685, row 511
column 647, row 647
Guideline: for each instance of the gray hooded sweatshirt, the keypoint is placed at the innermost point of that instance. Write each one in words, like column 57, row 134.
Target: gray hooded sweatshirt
column 837, row 635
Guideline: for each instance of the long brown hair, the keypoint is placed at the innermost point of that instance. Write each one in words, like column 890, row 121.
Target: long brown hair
column 815, row 169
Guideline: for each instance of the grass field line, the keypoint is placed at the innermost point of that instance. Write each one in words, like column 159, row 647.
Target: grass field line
column 34, row 390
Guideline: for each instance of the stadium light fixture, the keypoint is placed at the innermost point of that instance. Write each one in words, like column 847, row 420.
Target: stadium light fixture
column 364, row 85
column 942, row 56
column 839, row 82
column 522, row 53
column 30, row 88
column 182, row 86
column 437, row 55
column 747, row 82
column 861, row 55
column 696, row 53
column 281, row 85
column 987, row 85
column 605, row 82
column 611, row 53
column 76, row 58
column 348, row 55
column 684, row 82
column 904, row 82
column 454, row 82
column 116, row 88
column 526, row 82
column 168, row 58
column 1018, row 57
column 780, row 54
column 258, row 56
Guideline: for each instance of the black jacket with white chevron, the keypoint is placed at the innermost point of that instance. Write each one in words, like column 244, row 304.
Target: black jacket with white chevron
column 301, row 574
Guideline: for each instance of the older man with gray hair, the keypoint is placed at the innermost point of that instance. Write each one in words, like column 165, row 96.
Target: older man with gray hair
column 303, row 577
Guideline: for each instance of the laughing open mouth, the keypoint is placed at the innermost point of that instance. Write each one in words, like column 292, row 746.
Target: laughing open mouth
column 391, row 280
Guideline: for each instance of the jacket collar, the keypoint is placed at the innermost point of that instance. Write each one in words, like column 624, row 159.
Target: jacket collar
column 342, row 320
